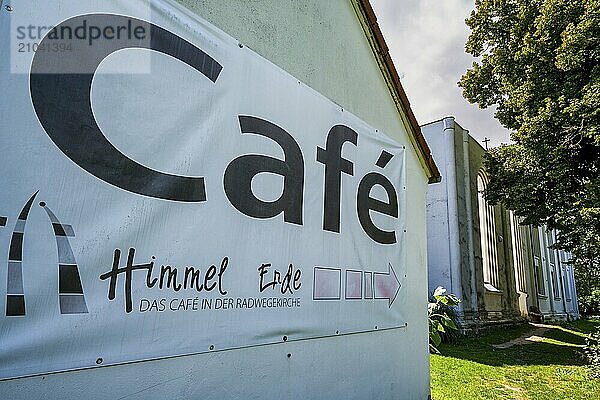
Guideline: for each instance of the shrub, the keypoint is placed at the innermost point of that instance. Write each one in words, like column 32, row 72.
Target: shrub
column 592, row 352
column 441, row 314
column 590, row 304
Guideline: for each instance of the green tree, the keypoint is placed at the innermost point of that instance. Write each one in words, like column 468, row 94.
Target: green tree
column 537, row 62
column 588, row 288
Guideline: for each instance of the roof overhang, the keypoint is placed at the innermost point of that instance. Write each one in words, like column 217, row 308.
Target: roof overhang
column 368, row 20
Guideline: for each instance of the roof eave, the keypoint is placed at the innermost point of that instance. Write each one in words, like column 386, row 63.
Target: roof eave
column 384, row 59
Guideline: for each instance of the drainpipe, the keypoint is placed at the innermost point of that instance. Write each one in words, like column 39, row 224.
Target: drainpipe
column 452, row 209
column 467, row 179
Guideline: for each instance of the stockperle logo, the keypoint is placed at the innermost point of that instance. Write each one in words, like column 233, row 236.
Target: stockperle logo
column 70, row 291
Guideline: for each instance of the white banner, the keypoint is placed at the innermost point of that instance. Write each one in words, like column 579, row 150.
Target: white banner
column 167, row 191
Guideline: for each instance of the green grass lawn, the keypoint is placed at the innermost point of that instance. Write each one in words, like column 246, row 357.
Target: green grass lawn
column 552, row 369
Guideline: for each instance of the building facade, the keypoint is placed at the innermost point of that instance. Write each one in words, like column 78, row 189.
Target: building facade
column 330, row 50
column 501, row 270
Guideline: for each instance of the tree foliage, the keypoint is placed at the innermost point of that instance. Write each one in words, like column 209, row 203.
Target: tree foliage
column 537, row 62
column 587, row 277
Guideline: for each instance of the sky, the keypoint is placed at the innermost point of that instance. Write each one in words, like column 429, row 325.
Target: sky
column 427, row 40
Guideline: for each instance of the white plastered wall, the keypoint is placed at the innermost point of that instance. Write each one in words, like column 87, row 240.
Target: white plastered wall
column 439, row 238
column 322, row 43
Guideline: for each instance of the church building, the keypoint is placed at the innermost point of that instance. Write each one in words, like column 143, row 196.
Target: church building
column 501, row 271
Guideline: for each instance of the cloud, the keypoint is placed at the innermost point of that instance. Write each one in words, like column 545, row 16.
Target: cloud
column 426, row 40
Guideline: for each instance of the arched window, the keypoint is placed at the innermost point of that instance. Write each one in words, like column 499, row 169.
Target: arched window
column 536, row 249
column 553, row 265
column 567, row 275
column 518, row 250
column 487, row 229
